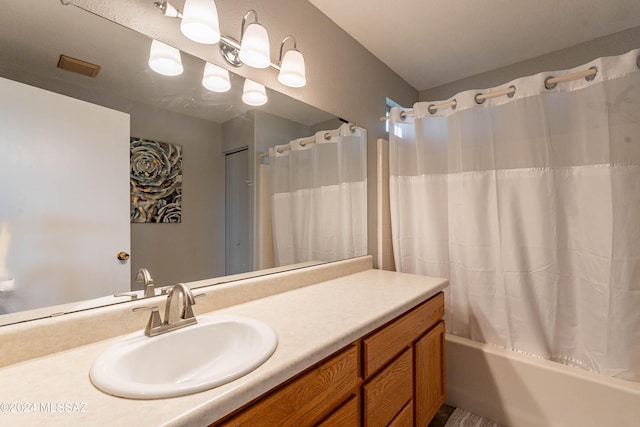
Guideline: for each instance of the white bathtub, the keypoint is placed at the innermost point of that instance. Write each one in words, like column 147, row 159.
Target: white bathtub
column 517, row 390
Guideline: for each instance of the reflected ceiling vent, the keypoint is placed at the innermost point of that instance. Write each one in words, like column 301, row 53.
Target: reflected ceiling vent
column 78, row 66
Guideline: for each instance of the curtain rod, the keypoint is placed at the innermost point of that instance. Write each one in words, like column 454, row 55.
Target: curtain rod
column 549, row 83
column 311, row 139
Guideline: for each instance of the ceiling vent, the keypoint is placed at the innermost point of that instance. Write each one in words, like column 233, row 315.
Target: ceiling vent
column 78, row 66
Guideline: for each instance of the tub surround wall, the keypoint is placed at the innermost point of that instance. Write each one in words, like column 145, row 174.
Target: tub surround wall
column 311, row 322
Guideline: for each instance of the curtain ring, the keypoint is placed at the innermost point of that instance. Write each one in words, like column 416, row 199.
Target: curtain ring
column 403, row 114
column 327, row 136
column 455, row 104
column 479, row 101
column 432, row 109
column 548, row 85
column 593, row 76
column 512, row 94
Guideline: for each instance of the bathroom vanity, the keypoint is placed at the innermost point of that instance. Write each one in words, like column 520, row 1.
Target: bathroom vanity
column 357, row 345
column 395, row 374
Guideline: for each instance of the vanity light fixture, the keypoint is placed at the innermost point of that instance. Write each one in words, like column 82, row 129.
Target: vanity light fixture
column 165, row 59
column 254, row 43
column 253, row 49
column 292, row 69
column 168, row 10
column 200, row 21
column 253, row 93
column 215, row 78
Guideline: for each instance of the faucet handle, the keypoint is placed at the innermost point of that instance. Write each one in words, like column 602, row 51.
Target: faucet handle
column 155, row 320
column 133, row 295
column 147, row 308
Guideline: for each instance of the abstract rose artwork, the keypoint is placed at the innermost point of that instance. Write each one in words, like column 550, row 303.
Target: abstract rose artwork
column 156, row 181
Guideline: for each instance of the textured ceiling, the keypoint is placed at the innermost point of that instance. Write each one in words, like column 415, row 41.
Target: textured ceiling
column 433, row 42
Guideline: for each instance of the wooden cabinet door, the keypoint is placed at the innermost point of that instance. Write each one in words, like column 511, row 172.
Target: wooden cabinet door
column 429, row 374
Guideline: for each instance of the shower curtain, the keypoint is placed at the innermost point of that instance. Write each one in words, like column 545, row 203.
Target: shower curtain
column 319, row 196
column 530, row 204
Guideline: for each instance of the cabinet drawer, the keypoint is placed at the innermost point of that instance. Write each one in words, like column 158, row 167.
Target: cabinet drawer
column 347, row 415
column 383, row 345
column 405, row 417
column 389, row 391
column 308, row 398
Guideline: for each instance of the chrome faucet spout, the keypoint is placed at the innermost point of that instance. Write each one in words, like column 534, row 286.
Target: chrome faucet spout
column 186, row 312
column 144, row 277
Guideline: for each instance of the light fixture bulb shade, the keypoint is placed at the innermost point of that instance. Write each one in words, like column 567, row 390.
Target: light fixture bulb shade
column 164, row 59
column 254, row 93
column 200, row 21
column 215, row 78
column 254, row 47
column 169, row 10
column 292, row 70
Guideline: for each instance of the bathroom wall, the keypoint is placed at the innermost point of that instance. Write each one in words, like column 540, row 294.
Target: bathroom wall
column 258, row 131
column 198, row 241
column 327, row 125
column 343, row 78
column 614, row 44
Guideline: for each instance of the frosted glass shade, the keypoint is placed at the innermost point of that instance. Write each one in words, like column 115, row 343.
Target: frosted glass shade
column 292, row 69
column 215, row 78
column 200, row 21
column 254, row 48
column 254, row 93
column 169, row 10
column 164, row 59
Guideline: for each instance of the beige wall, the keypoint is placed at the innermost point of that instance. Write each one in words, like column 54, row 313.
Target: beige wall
column 343, row 78
column 193, row 249
column 614, row 44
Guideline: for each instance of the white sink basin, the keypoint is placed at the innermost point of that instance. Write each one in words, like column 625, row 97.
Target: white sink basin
column 216, row 350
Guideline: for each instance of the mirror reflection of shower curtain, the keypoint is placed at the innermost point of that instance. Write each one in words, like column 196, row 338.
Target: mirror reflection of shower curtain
column 319, row 196
column 530, row 205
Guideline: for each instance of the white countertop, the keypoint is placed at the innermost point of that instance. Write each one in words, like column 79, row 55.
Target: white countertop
column 311, row 323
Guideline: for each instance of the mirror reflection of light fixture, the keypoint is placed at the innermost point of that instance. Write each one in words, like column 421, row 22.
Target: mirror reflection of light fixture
column 292, row 69
column 200, row 21
column 164, row 59
column 215, row 78
column 253, row 93
column 254, row 43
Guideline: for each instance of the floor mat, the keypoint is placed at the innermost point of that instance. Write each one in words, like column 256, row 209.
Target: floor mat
column 462, row 418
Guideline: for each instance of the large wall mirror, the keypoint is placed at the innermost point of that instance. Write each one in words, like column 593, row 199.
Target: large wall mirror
column 226, row 148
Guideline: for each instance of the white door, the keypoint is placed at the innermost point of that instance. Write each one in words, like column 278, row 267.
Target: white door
column 64, row 197
column 237, row 227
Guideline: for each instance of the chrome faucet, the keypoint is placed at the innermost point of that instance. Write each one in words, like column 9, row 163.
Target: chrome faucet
column 185, row 312
column 173, row 319
column 145, row 278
